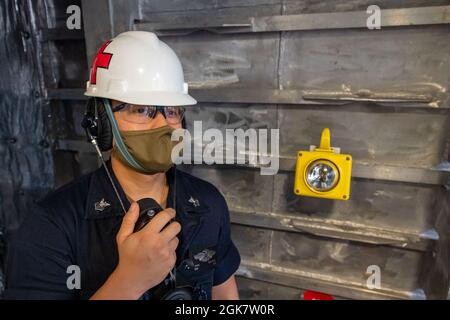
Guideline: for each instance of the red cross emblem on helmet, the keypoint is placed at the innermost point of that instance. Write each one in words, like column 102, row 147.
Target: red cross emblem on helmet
column 102, row 60
column 140, row 69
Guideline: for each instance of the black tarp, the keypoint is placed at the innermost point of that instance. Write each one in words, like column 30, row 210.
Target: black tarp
column 26, row 165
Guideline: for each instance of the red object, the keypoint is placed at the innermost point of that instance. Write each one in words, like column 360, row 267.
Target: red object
column 312, row 295
column 102, row 60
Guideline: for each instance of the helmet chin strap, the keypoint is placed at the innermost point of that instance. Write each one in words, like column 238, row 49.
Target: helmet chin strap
column 118, row 138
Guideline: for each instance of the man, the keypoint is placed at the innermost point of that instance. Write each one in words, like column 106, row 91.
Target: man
column 137, row 89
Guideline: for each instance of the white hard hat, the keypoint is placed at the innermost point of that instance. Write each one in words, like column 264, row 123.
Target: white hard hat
column 136, row 67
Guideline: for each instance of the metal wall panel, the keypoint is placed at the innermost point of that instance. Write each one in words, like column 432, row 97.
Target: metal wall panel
column 340, row 263
column 151, row 7
column 231, row 61
column 390, row 60
column 371, row 203
column 262, row 290
column 372, row 135
column 315, row 6
column 238, row 186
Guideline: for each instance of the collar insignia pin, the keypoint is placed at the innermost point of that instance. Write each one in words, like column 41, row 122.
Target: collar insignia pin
column 100, row 206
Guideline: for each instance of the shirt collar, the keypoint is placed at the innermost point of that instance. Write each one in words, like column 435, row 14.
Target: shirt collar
column 103, row 203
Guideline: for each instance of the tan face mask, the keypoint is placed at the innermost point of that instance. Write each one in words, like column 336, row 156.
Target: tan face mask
column 152, row 149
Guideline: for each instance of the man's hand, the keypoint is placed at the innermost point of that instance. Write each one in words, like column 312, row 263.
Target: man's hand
column 145, row 257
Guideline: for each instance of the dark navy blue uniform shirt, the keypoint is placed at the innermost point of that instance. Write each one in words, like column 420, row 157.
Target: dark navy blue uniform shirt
column 77, row 224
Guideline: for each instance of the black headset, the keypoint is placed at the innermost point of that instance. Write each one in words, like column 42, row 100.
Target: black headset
column 97, row 126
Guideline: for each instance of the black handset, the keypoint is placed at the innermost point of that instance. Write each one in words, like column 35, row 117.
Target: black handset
column 167, row 289
column 148, row 208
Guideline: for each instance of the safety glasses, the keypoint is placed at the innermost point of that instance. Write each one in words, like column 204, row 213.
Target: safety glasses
column 144, row 114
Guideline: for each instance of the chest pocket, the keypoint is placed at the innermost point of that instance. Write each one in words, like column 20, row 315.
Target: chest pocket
column 198, row 255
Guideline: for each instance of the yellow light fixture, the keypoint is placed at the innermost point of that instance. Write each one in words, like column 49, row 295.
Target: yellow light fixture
column 323, row 172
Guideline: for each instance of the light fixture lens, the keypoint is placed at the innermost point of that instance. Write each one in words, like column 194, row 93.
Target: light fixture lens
column 322, row 176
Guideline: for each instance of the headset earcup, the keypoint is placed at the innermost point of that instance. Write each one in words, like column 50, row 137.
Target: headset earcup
column 105, row 136
column 89, row 123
